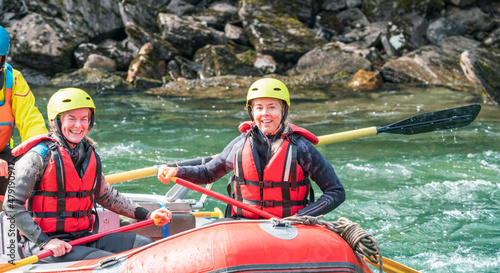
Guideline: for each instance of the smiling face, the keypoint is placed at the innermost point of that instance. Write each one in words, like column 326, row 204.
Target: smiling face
column 75, row 124
column 267, row 113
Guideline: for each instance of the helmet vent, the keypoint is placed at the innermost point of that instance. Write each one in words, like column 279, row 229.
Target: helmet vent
column 88, row 98
column 277, row 89
column 67, row 100
column 255, row 89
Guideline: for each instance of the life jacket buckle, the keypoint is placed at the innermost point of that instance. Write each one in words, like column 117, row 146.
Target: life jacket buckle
column 267, row 204
column 266, row 184
column 79, row 214
column 80, row 194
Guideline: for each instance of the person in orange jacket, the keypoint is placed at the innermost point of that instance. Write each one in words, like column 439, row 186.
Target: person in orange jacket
column 17, row 109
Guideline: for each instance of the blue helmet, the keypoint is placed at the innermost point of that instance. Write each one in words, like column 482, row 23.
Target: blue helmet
column 4, row 41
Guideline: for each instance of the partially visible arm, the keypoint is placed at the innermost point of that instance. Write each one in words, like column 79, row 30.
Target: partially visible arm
column 27, row 171
column 28, row 119
column 4, row 168
column 321, row 172
column 115, row 201
column 216, row 168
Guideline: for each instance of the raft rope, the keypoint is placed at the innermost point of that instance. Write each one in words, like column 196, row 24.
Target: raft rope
column 359, row 239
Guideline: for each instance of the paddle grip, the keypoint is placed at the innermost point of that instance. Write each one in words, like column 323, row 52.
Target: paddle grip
column 338, row 137
column 152, row 171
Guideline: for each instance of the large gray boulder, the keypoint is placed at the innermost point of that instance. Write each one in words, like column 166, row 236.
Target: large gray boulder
column 366, row 37
column 474, row 19
column 218, row 14
column 407, row 33
column 219, row 60
column 139, row 13
column 187, row 34
column 432, row 65
column 328, row 64
column 481, row 67
column 92, row 78
column 273, row 30
column 386, row 10
column 121, row 52
column 42, row 43
column 444, row 27
column 90, row 18
column 139, row 37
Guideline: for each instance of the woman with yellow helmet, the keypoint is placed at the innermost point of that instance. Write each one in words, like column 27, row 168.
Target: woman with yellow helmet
column 272, row 161
column 58, row 182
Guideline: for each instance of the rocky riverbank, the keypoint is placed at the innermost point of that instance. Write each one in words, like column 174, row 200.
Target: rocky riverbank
column 179, row 47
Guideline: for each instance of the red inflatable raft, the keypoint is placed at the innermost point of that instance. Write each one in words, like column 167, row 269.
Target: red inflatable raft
column 237, row 246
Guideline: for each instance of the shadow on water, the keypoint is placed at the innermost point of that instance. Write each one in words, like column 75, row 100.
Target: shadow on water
column 431, row 200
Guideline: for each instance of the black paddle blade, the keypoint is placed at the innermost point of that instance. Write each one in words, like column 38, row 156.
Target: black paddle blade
column 434, row 121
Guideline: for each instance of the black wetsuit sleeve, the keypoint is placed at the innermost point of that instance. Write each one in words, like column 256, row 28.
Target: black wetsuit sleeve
column 321, row 172
column 221, row 165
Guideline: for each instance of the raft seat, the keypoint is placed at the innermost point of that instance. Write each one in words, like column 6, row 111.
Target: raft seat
column 182, row 220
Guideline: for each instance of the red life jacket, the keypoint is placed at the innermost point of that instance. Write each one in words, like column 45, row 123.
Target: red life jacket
column 62, row 201
column 7, row 122
column 284, row 187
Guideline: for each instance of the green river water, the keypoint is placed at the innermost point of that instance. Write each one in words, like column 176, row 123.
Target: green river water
column 431, row 200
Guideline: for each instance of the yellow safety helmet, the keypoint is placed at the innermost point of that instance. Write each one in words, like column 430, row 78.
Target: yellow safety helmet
column 69, row 99
column 268, row 88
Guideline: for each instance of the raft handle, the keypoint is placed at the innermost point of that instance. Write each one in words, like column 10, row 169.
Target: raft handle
column 277, row 223
column 108, row 262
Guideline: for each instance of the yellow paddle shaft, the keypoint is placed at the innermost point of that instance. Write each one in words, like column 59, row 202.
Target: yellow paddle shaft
column 326, row 139
column 391, row 266
column 215, row 214
column 338, row 137
column 131, row 175
column 17, row 264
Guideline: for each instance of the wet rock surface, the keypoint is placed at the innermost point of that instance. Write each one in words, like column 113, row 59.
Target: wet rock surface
column 192, row 44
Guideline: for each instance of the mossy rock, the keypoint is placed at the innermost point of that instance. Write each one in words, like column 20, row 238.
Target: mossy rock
column 91, row 78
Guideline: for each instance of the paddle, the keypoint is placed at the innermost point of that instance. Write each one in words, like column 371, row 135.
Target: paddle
column 428, row 122
column 35, row 258
column 390, row 266
column 151, row 171
column 423, row 123
column 221, row 197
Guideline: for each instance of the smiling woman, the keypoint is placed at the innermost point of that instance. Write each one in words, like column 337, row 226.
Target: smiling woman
column 272, row 161
column 58, row 182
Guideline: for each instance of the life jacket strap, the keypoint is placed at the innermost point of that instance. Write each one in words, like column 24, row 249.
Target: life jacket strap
column 62, row 214
column 72, row 194
column 272, row 203
column 268, row 184
column 238, row 173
